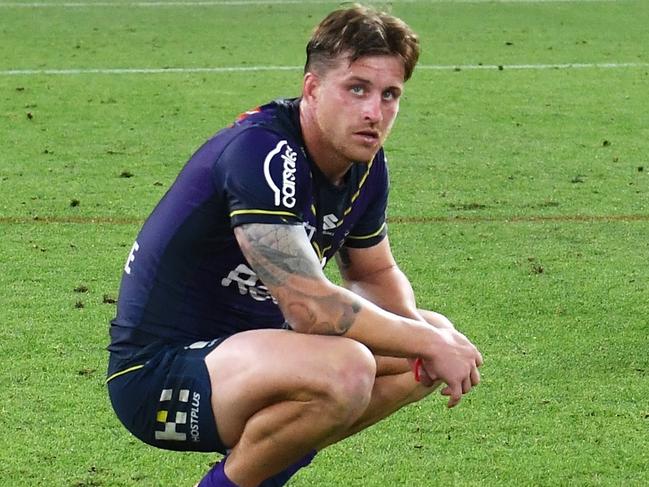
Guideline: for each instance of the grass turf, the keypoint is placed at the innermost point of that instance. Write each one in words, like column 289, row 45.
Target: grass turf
column 518, row 208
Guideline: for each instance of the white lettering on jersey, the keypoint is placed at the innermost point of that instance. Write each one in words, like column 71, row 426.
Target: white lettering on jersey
column 248, row 283
column 288, row 177
column 286, row 195
column 131, row 257
column 200, row 345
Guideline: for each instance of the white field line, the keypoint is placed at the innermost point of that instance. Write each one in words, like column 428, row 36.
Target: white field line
column 243, row 69
column 216, row 3
column 74, row 71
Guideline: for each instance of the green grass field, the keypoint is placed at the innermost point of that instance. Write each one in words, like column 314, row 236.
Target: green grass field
column 519, row 208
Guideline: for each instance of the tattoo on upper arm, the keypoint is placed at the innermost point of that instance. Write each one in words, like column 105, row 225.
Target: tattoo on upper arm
column 282, row 257
column 276, row 253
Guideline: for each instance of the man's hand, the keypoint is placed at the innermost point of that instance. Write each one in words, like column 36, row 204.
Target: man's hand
column 455, row 361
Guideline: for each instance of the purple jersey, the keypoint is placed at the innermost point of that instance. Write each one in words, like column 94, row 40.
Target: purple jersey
column 186, row 278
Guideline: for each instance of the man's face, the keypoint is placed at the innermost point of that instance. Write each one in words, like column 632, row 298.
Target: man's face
column 357, row 104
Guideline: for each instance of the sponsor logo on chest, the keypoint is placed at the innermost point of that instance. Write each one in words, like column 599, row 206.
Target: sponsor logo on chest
column 286, row 195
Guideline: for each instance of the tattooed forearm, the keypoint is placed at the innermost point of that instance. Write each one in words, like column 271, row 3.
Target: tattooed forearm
column 283, row 259
column 350, row 310
column 338, row 321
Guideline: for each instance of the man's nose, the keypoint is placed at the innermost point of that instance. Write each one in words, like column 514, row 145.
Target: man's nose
column 372, row 109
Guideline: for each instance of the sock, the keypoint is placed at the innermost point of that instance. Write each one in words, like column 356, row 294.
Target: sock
column 216, row 477
column 280, row 479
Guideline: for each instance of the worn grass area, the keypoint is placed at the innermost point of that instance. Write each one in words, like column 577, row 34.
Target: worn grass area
column 518, row 208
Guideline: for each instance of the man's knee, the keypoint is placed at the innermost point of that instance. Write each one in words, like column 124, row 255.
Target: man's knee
column 436, row 319
column 332, row 377
column 348, row 380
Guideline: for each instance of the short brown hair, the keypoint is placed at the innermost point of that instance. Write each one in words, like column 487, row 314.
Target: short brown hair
column 361, row 31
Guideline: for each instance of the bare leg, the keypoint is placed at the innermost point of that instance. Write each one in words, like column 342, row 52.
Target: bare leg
column 390, row 393
column 395, row 385
column 278, row 395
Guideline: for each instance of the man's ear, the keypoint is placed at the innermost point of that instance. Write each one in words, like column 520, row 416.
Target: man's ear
column 310, row 85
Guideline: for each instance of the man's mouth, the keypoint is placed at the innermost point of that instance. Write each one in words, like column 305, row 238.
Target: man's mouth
column 368, row 135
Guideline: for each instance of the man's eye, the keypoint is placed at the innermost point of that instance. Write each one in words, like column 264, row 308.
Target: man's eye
column 389, row 95
column 357, row 90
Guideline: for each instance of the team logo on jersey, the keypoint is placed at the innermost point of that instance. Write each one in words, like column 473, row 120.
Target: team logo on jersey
column 286, row 195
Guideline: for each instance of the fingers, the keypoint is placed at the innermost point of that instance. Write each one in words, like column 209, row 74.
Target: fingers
column 427, row 380
column 456, row 364
column 455, row 394
column 466, row 385
column 460, row 388
column 475, row 376
column 479, row 361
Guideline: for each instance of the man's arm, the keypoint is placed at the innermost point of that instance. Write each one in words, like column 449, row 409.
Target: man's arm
column 374, row 274
column 283, row 259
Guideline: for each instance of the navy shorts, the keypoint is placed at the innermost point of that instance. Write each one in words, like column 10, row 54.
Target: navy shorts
column 165, row 399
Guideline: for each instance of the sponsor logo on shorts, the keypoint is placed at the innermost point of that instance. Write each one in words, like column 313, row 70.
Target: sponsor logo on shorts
column 185, row 405
column 193, row 417
column 286, row 195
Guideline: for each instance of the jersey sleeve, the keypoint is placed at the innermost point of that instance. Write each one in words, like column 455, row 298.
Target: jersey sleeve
column 264, row 177
column 372, row 227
